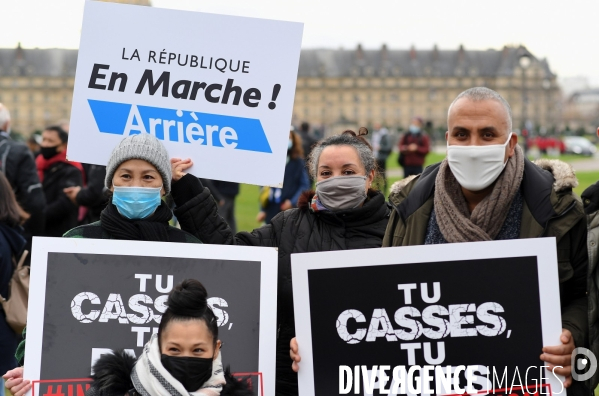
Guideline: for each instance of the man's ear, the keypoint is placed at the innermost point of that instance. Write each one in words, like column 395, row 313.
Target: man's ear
column 512, row 144
column 597, row 132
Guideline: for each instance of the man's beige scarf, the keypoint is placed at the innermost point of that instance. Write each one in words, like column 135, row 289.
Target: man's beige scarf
column 456, row 222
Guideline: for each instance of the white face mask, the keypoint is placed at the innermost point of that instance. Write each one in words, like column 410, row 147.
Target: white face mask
column 477, row 167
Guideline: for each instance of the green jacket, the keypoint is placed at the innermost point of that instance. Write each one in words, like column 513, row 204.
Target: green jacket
column 590, row 199
column 551, row 209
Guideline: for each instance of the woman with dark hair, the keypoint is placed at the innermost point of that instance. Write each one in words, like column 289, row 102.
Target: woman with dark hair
column 343, row 213
column 12, row 244
column 274, row 200
column 183, row 358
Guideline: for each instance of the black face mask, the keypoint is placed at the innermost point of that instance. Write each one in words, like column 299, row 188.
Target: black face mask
column 191, row 372
column 49, row 152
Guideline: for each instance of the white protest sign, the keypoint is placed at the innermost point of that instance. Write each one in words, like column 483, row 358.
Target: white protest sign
column 91, row 296
column 214, row 88
column 451, row 318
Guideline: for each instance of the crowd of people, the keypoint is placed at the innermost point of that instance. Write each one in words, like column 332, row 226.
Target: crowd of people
column 485, row 189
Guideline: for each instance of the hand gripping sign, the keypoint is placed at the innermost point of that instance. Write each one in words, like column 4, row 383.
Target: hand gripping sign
column 451, row 319
column 217, row 89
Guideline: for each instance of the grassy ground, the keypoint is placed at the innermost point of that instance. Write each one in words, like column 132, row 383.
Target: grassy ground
column 246, row 206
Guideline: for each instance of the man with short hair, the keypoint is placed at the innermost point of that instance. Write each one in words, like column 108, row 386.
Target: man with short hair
column 487, row 190
column 18, row 165
column 56, row 174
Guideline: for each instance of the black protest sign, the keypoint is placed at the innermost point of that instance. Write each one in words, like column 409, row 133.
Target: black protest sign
column 469, row 320
column 93, row 303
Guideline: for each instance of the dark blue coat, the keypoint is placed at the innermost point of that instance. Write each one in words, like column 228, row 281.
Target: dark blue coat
column 295, row 182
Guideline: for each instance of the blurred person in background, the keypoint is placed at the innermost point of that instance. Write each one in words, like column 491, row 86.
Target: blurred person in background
column 273, row 199
column 93, row 196
column 228, row 192
column 18, row 165
column 33, row 143
column 381, row 146
column 12, row 244
column 308, row 139
column 56, row 174
column 413, row 148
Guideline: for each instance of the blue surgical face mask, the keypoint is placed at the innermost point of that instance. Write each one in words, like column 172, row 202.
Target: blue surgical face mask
column 136, row 202
column 414, row 129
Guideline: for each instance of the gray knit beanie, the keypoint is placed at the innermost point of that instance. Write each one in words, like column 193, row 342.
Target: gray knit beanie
column 144, row 147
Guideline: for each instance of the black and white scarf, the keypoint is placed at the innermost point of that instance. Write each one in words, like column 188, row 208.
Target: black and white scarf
column 150, row 378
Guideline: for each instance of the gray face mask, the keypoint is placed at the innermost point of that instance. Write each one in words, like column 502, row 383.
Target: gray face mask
column 341, row 192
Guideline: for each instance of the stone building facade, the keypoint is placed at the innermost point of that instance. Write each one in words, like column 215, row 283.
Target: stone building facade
column 336, row 89
column 36, row 85
column 343, row 88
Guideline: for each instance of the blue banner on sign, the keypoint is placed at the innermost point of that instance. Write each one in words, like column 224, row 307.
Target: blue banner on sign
column 187, row 127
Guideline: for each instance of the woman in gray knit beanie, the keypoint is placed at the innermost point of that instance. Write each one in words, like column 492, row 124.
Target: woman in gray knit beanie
column 138, row 175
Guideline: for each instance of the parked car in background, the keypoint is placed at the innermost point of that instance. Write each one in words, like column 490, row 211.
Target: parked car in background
column 546, row 145
column 579, row 145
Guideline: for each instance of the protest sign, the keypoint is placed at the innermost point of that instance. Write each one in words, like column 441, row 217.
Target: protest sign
column 89, row 296
column 214, row 88
column 434, row 319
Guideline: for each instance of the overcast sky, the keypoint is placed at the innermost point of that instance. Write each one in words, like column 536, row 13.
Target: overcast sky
column 565, row 32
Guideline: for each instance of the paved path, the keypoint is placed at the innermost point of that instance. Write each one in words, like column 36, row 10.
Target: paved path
column 584, row 165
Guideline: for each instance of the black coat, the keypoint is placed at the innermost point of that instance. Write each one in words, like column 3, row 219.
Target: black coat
column 112, row 377
column 18, row 165
column 293, row 231
column 61, row 213
column 93, row 195
column 11, row 245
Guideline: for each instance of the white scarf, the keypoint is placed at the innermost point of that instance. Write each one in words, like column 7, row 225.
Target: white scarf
column 150, row 378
